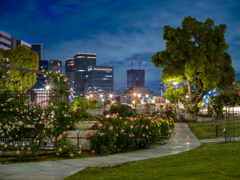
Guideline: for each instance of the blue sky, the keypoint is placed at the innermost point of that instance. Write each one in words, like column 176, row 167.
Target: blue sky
column 114, row 29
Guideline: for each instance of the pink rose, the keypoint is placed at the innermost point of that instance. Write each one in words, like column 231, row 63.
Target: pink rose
column 1, row 152
column 146, row 127
column 122, row 131
column 60, row 149
column 10, row 144
column 71, row 155
column 79, row 152
column 99, row 124
column 111, row 127
column 69, row 136
column 116, row 134
column 115, row 146
column 5, row 146
column 131, row 118
column 85, row 137
column 53, row 140
column 28, row 148
column 64, row 133
column 16, row 145
column 57, row 154
column 93, row 151
column 17, row 152
column 80, row 146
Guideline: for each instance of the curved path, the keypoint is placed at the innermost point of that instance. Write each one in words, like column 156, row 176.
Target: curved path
column 182, row 139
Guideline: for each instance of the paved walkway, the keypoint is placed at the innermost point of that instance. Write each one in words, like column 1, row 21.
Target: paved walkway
column 182, row 139
column 216, row 140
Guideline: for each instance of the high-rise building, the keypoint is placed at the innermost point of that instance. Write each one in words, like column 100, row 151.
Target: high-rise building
column 5, row 40
column 41, row 84
column 15, row 42
column 38, row 49
column 100, row 79
column 81, row 63
column 56, row 65
column 69, row 71
column 135, row 78
column 161, row 88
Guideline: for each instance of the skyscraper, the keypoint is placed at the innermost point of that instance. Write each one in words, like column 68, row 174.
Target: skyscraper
column 69, row 71
column 56, row 65
column 38, row 49
column 100, row 79
column 5, row 40
column 43, row 64
column 135, row 78
column 161, row 88
column 81, row 63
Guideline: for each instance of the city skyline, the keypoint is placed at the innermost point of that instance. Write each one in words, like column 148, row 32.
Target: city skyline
column 114, row 31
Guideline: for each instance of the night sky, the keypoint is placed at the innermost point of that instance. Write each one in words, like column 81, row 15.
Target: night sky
column 114, row 30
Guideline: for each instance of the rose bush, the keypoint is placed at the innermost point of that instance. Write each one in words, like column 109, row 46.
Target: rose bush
column 116, row 134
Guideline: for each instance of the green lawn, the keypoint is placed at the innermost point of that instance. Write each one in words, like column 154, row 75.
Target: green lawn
column 209, row 161
column 206, row 132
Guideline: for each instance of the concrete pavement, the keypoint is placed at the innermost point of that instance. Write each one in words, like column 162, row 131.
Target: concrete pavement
column 182, row 139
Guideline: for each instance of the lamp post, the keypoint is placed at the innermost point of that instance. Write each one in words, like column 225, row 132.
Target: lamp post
column 139, row 96
column 91, row 96
column 111, row 96
column 175, row 83
column 146, row 97
column 100, row 99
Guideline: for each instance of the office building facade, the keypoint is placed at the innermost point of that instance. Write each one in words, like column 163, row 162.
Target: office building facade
column 38, row 49
column 15, row 42
column 69, row 71
column 161, row 88
column 5, row 40
column 41, row 84
column 135, row 78
column 100, row 80
column 81, row 63
column 56, row 65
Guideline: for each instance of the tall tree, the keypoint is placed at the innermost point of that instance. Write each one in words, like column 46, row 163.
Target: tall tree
column 196, row 54
column 20, row 57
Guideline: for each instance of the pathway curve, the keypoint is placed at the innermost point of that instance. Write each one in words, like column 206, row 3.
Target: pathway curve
column 182, row 139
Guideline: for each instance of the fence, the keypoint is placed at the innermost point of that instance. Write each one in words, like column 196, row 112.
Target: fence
column 25, row 102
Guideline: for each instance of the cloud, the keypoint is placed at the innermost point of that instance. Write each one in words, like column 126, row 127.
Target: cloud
column 114, row 29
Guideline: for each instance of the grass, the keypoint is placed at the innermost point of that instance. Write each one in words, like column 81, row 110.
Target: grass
column 46, row 155
column 206, row 132
column 209, row 161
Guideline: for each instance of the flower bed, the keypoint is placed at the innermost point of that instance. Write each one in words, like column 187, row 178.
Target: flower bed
column 116, row 134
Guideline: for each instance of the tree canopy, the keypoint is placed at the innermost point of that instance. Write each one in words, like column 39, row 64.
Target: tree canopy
column 196, row 54
column 20, row 57
column 170, row 94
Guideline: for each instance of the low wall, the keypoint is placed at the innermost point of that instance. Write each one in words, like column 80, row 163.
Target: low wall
column 139, row 110
column 86, row 145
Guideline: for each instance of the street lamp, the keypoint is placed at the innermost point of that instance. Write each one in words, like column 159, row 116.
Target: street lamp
column 111, row 96
column 100, row 98
column 139, row 96
column 175, row 83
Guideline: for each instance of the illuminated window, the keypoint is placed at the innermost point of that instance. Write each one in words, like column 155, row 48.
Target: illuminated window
column 91, row 57
column 80, row 56
column 102, row 69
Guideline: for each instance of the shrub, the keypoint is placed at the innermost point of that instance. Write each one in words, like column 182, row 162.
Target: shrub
column 64, row 146
column 117, row 134
column 122, row 110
